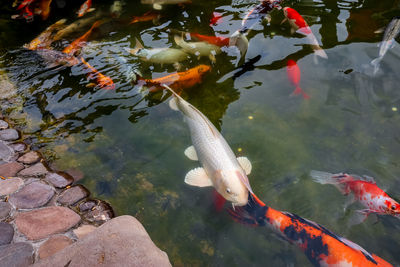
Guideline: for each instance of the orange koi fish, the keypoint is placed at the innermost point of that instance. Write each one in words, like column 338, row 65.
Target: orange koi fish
column 44, row 39
column 177, row 81
column 44, row 6
column 299, row 25
column 76, row 45
column 321, row 246
column 103, row 81
column 365, row 191
column 293, row 72
column 215, row 40
column 84, row 8
column 149, row 15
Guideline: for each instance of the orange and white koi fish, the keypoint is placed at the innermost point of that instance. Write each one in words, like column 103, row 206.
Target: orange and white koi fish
column 103, row 81
column 215, row 40
column 44, row 39
column 321, row 246
column 149, row 15
column 299, row 25
column 77, row 44
column 293, row 72
column 177, row 81
column 85, row 7
column 364, row 190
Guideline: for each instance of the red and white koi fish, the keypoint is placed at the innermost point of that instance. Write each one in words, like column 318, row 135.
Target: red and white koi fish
column 103, row 81
column 321, row 246
column 24, row 4
column 364, row 190
column 299, row 25
column 27, row 14
column 216, row 17
column 84, row 8
column 293, row 72
column 215, row 40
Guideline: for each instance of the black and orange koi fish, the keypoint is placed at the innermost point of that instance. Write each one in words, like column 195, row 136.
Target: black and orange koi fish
column 321, row 246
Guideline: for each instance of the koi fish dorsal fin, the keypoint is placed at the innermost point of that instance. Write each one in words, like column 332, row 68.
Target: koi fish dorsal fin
column 191, row 153
column 355, row 246
column 245, row 164
column 198, row 177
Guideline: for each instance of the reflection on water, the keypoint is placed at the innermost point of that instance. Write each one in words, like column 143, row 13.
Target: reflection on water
column 130, row 145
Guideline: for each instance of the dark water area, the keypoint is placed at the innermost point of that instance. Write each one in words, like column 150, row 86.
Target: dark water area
column 130, row 146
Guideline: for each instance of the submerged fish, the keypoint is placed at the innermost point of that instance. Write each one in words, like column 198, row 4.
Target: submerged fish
column 321, row 246
column 163, row 55
column 220, row 167
column 44, row 7
column 215, row 40
column 392, row 30
column 76, row 26
column 149, row 15
column 178, row 81
column 103, row 81
column 45, row 39
column 157, row 4
column 257, row 14
column 299, row 25
column 24, row 4
column 365, row 191
column 85, row 7
column 198, row 48
column 77, row 44
column 216, row 17
column 293, row 72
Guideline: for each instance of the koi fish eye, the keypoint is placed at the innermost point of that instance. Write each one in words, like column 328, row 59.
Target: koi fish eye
column 393, row 207
column 228, row 190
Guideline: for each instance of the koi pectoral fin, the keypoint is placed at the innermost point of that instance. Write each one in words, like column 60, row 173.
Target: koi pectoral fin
column 359, row 216
column 198, row 177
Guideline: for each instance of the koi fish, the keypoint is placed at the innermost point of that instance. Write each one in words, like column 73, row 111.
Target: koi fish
column 27, row 14
column 77, row 26
column 198, row 48
column 85, row 7
column 44, row 39
column 299, row 25
column 216, row 17
column 44, row 7
column 149, row 15
column 157, row 4
column 364, row 190
column 215, row 40
column 77, row 44
column 178, row 81
column 24, row 4
column 220, row 167
column 257, row 14
column 103, row 81
column 321, row 246
column 163, row 55
column 293, row 73
column 392, row 30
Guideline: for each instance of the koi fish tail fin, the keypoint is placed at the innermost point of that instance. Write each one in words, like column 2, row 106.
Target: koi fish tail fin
column 337, row 180
column 318, row 51
column 239, row 40
column 375, row 63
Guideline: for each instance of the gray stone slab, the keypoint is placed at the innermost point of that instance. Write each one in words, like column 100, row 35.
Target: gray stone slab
column 9, row 186
column 3, row 125
column 5, row 209
column 30, row 157
column 16, row 255
column 59, row 180
column 9, row 135
column 53, row 245
column 36, row 170
column 72, row 195
column 33, row 195
column 6, row 233
column 6, row 152
column 10, row 169
column 18, row 147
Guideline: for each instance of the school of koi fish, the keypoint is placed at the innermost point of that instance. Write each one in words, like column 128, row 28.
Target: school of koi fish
column 219, row 167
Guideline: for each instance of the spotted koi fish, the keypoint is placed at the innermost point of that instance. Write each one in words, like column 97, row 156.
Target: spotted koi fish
column 365, row 191
column 321, row 246
column 84, row 8
column 103, row 81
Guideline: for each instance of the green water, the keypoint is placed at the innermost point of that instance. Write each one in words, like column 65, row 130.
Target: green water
column 130, row 148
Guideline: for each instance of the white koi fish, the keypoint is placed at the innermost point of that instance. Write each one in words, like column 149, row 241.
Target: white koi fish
column 220, row 167
column 198, row 48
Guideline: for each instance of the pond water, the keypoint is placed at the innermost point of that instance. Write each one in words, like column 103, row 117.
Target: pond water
column 130, row 147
